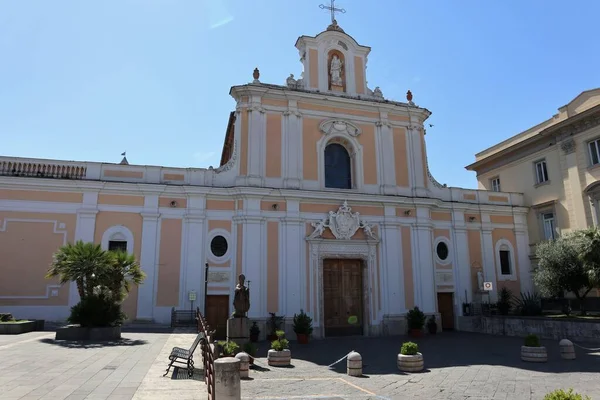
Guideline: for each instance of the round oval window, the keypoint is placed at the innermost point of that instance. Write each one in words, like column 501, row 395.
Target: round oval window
column 442, row 251
column 218, row 246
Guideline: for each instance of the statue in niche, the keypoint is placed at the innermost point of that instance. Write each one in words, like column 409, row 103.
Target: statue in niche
column 241, row 298
column 336, row 71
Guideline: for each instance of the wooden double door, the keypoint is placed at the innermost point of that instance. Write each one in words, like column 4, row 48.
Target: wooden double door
column 446, row 309
column 217, row 313
column 343, row 297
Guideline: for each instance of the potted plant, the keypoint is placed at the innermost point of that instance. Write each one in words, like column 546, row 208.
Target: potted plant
column 254, row 332
column 228, row 348
column 302, row 327
column 409, row 359
column 533, row 351
column 250, row 349
column 274, row 323
column 432, row 325
column 560, row 394
column 279, row 355
column 504, row 301
column 416, row 320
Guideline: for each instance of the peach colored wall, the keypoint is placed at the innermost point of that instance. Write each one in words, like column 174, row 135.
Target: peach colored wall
column 122, row 200
column 244, row 99
column 115, row 173
column 244, row 143
column 274, row 102
column 468, row 196
column 31, row 195
column 174, row 177
column 169, row 263
column 476, row 216
column 502, row 219
column 359, row 75
column 400, row 212
column 475, row 257
column 441, row 216
column 133, row 221
column 226, row 205
column 273, row 266
column 409, row 294
column 219, row 224
column 314, row 68
column 26, row 249
column 310, row 136
column 267, row 205
column 166, row 202
column 400, row 155
column 367, row 141
column 337, row 110
column 502, row 199
column 273, row 156
column 508, row 234
column 393, row 117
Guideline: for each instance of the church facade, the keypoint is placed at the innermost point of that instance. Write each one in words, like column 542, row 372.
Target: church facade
column 323, row 200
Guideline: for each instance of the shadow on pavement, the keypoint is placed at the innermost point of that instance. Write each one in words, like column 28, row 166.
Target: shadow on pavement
column 448, row 349
column 85, row 344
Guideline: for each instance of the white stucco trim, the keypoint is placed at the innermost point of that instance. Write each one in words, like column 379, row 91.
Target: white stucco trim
column 211, row 235
column 118, row 232
column 446, row 241
column 503, row 244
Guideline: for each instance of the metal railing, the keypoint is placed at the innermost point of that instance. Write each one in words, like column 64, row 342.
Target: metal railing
column 208, row 354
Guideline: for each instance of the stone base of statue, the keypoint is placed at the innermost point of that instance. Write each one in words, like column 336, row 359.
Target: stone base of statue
column 337, row 87
column 238, row 330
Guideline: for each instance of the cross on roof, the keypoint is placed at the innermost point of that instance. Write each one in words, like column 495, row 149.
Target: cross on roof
column 333, row 10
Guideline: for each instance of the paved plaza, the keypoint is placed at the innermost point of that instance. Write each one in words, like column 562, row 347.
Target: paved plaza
column 458, row 366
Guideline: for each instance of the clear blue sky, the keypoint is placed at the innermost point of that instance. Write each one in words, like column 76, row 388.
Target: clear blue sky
column 86, row 80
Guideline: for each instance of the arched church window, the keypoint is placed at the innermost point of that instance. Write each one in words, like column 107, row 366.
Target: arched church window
column 338, row 168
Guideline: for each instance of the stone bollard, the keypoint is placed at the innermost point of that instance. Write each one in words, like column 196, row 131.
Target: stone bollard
column 354, row 364
column 244, row 364
column 227, row 379
column 567, row 350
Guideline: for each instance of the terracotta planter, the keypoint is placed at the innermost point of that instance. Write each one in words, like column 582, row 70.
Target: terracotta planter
column 534, row 354
column 302, row 338
column 416, row 333
column 279, row 358
column 412, row 363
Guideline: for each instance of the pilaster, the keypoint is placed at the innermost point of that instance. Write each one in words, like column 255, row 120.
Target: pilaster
column 574, row 196
column 84, row 231
column 292, row 146
column 522, row 238
column 489, row 263
column 423, row 267
column 461, row 261
column 257, row 131
column 392, row 277
column 415, row 156
column 149, row 257
column 193, row 273
column 385, row 156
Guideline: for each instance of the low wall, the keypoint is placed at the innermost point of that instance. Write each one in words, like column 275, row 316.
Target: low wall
column 545, row 328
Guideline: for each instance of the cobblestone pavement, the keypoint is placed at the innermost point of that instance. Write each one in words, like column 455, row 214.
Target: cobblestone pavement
column 458, row 366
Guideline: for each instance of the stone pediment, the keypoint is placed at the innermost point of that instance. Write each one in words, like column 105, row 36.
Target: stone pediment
column 343, row 224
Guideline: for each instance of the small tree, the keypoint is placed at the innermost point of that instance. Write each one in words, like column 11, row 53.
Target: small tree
column 103, row 281
column 562, row 266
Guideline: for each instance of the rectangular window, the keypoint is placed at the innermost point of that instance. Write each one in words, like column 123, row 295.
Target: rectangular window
column 541, row 172
column 117, row 245
column 496, row 184
column 505, row 262
column 548, row 220
column 594, row 151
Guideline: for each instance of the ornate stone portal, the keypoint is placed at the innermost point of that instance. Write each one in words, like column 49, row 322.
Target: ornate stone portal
column 343, row 224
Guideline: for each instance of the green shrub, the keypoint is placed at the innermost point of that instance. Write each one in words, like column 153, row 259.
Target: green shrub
column 6, row 317
column 416, row 318
column 250, row 348
column 302, row 323
column 409, row 349
column 96, row 311
column 562, row 395
column 280, row 344
column 229, row 348
column 274, row 323
column 280, row 334
column 530, row 304
column 504, row 301
column 532, row 341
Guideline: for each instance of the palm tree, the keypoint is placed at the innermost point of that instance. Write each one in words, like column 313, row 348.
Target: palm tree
column 121, row 273
column 80, row 262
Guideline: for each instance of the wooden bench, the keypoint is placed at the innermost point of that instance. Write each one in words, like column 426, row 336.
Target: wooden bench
column 185, row 356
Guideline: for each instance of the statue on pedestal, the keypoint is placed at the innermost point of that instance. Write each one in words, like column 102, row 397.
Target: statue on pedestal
column 241, row 298
column 336, row 71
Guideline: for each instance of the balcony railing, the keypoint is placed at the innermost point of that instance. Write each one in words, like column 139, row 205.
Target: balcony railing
column 39, row 170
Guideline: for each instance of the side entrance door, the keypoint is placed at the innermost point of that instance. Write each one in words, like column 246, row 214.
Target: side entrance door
column 217, row 312
column 446, row 308
column 343, row 297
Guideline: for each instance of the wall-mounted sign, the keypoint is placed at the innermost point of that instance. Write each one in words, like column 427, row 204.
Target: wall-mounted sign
column 192, row 295
column 487, row 286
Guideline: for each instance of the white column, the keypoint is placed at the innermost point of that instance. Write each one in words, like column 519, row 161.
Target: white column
column 574, row 195
column 522, row 238
column 194, row 271
column 292, row 146
column 425, row 295
column 415, row 157
column 385, row 156
column 350, row 74
column 84, row 231
column 392, row 269
column 489, row 262
column 292, row 293
column 148, row 259
column 254, row 263
column 462, row 276
column 257, row 130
